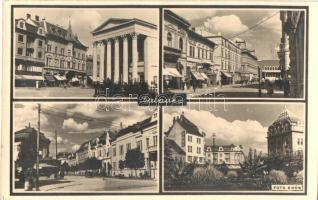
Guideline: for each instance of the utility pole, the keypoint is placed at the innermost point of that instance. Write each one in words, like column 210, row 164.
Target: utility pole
column 56, row 146
column 259, row 82
column 38, row 148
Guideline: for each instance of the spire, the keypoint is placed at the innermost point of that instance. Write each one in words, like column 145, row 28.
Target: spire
column 69, row 30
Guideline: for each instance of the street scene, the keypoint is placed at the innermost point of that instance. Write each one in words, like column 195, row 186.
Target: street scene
column 211, row 53
column 84, row 52
column 237, row 147
column 109, row 147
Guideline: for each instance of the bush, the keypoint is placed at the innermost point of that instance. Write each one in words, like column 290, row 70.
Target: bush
column 277, row 177
column 232, row 174
column 206, row 175
column 300, row 177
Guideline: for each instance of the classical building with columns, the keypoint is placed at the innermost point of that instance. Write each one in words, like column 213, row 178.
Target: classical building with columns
column 126, row 50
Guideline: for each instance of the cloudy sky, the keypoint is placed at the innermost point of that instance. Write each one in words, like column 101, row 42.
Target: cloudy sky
column 230, row 22
column 76, row 123
column 85, row 20
column 244, row 124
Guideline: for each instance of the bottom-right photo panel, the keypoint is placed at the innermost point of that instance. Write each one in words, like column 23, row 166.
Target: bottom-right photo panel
column 234, row 147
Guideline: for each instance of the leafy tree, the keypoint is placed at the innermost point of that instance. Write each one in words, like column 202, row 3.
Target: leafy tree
column 134, row 159
column 253, row 163
column 26, row 156
column 121, row 164
column 65, row 167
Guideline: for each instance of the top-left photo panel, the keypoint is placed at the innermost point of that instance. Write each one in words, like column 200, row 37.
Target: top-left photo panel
column 67, row 52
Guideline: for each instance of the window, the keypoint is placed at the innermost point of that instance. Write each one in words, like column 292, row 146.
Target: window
column 62, row 51
column 199, row 140
column 69, row 52
column 198, row 150
column 21, row 24
column 55, row 49
column 189, row 158
column 155, row 140
column 49, row 48
column 128, row 146
column 199, row 52
column 189, row 138
column 181, row 43
column 20, row 51
column 62, row 64
column 121, row 149
column 139, row 145
column 39, row 54
column 147, row 143
column 183, row 139
column 114, row 151
column 190, row 149
column 114, row 166
column 40, row 43
column 20, row 38
column 169, row 39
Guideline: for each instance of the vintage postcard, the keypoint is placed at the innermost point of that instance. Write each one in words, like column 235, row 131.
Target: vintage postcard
column 159, row 99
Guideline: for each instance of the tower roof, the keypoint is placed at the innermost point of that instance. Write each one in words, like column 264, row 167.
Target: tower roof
column 287, row 115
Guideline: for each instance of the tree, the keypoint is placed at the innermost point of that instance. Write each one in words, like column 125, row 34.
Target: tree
column 26, row 156
column 253, row 163
column 135, row 159
column 121, row 164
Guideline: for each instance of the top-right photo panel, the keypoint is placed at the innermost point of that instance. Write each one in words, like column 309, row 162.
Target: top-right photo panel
column 235, row 53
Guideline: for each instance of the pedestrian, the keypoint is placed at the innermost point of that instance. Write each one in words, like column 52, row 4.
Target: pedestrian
column 270, row 90
column 194, row 85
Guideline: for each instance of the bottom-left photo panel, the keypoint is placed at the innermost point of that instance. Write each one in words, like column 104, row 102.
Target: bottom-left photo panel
column 78, row 147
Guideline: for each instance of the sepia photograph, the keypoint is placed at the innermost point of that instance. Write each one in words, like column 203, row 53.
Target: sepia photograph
column 85, row 52
column 236, row 53
column 238, row 147
column 79, row 147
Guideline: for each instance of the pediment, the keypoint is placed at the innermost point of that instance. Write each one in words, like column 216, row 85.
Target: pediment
column 110, row 23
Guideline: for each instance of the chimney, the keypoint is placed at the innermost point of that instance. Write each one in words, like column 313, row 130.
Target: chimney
column 121, row 125
column 28, row 16
column 213, row 139
column 193, row 29
column 29, row 124
column 37, row 18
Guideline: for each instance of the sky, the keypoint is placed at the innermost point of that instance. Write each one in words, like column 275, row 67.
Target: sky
column 77, row 123
column 85, row 20
column 229, row 22
column 240, row 124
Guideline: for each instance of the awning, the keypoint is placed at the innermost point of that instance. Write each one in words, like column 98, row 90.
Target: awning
column 93, row 79
column 204, row 75
column 49, row 78
column 197, row 75
column 60, row 78
column 74, row 79
column 29, row 77
column 168, row 71
column 227, row 74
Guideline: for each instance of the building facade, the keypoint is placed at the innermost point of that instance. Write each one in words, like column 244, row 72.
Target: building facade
column 188, row 57
column 47, row 53
column 249, row 66
column 29, row 53
column 189, row 137
column 291, row 52
column 231, row 155
column 227, row 58
column 285, row 136
column 270, row 69
column 125, row 51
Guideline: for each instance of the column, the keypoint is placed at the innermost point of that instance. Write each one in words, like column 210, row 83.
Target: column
column 125, row 59
column 109, row 60
column 146, row 59
column 134, row 58
column 116, row 57
column 94, row 61
column 102, row 62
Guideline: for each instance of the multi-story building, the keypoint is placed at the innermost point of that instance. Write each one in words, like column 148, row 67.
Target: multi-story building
column 232, row 155
column 227, row 58
column 291, row 52
column 65, row 57
column 142, row 135
column 270, row 69
column 125, row 51
column 47, row 52
column 187, row 55
column 29, row 51
column 285, row 136
column 248, row 71
column 82, row 154
column 189, row 137
column 89, row 70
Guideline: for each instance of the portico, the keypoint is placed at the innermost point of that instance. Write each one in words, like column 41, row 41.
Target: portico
column 124, row 50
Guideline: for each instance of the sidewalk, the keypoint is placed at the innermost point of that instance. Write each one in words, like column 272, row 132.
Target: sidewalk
column 227, row 91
